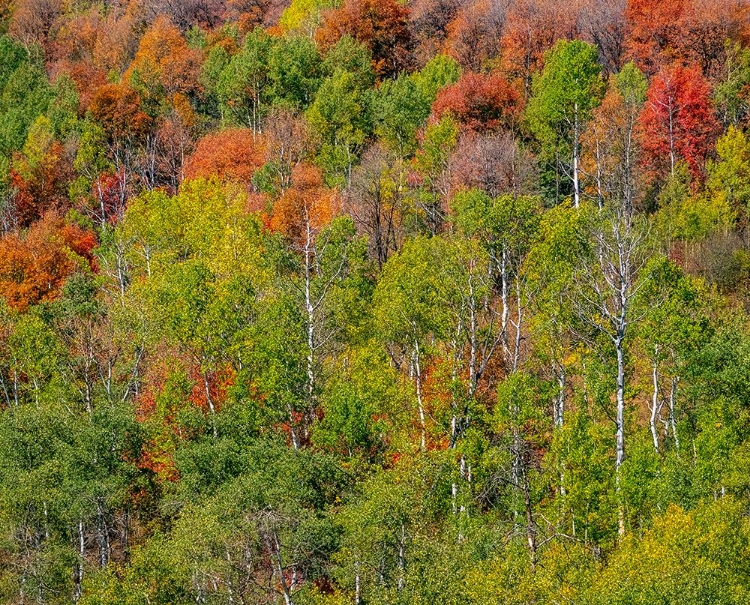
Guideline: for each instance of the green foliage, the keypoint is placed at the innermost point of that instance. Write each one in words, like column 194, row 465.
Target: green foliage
column 241, row 83
column 340, row 118
column 566, row 91
column 295, row 70
column 24, row 94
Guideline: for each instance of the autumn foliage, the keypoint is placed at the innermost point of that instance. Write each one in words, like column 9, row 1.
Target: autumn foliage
column 34, row 267
column 117, row 108
column 165, row 61
column 306, row 207
column 678, row 121
column 381, row 25
column 233, row 154
column 694, row 31
column 480, row 102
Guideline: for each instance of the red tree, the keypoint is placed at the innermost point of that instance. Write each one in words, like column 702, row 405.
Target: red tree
column 678, row 121
column 653, row 30
column 692, row 31
column 480, row 102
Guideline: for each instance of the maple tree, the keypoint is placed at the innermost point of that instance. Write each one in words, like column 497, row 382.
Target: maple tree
column 480, row 102
column 678, row 121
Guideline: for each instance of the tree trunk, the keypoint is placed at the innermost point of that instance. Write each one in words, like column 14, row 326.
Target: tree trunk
column 420, row 405
column 620, row 423
column 655, row 405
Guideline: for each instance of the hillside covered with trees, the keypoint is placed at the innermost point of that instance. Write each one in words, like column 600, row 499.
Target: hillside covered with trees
column 326, row 302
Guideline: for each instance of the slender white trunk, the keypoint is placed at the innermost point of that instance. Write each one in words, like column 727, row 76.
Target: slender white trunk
column 655, row 405
column 620, row 422
column 420, row 405
column 310, row 309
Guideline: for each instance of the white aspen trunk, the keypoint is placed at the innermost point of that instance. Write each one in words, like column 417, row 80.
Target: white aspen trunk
column 420, row 405
column 518, row 325
column 280, row 569
column 211, row 406
column 357, row 587
column 620, row 422
column 101, row 534
column 655, row 406
column 504, row 299
column 530, row 529
column 472, row 338
column 310, row 309
column 559, row 402
column 672, row 153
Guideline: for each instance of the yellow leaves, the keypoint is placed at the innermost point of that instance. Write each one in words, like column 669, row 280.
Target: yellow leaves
column 206, row 220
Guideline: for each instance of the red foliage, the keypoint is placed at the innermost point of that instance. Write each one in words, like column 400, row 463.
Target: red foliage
column 233, row 154
column 480, row 102
column 693, row 31
column 653, row 29
column 218, row 384
column 34, row 268
column 381, row 25
column 678, row 121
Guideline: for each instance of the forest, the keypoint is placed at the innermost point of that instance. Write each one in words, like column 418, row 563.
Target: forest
column 375, row 302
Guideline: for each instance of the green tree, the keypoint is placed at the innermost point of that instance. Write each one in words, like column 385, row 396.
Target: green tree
column 294, row 68
column 563, row 95
column 340, row 118
column 243, row 84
